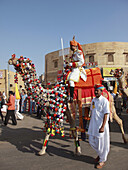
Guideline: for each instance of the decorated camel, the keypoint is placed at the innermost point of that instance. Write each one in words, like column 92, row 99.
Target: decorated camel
column 54, row 101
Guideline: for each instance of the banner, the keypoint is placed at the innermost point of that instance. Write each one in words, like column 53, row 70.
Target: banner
column 1, row 74
column 66, row 52
column 106, row 71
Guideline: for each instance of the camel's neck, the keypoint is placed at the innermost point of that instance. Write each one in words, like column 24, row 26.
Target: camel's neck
column 12, row 61
column 122, row 85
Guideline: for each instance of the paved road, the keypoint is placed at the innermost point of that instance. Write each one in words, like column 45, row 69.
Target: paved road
column 19, row 146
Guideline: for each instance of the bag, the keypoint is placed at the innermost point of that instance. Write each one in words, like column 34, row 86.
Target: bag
column 4, row 109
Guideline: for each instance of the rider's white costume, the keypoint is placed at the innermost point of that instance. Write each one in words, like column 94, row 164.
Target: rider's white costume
column 77, row 69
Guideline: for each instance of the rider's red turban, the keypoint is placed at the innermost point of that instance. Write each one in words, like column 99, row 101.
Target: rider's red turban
column 76, row 44
column 73, row 42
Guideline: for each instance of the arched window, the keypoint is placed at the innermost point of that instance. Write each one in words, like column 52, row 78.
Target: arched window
column 55, row 63
column 91, row 58
column 110, row 58
column 126, row 57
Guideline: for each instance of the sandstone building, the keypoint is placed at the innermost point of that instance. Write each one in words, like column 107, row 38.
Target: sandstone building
column 7, row 81
column 108, row 55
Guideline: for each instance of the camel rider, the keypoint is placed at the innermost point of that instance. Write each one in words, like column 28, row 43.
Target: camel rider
column 76, row 66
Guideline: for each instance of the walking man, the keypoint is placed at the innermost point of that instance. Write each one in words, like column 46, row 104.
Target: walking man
column 10, row 110
column 98, row 128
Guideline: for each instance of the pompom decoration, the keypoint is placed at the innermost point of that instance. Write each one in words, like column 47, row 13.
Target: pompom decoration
column 52, row 101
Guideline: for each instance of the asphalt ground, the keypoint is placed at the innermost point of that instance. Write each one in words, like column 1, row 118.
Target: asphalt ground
column 20, row 144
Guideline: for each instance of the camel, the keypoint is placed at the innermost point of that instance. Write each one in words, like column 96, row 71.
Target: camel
column 48, row 100
column 55, row 109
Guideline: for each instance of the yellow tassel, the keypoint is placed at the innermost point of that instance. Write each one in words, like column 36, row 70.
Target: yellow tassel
column 115, row 89
column 53, row 132
column 48, row 130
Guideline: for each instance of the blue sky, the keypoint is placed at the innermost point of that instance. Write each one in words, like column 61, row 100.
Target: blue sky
column 33, row 28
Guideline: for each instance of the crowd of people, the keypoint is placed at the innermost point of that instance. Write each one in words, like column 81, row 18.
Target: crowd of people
column 14, row 107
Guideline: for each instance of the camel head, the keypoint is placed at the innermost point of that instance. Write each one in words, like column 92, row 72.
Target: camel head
column 117, row 73
column 13, row 60
column 22, row 65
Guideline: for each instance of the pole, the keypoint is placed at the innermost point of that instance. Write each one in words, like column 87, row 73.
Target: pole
column 8, row 79
column 6, row 91
column 62, row 51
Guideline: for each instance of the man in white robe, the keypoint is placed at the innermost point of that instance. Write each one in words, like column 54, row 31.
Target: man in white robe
column 99, row 128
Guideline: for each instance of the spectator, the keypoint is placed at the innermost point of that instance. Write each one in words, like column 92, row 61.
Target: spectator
column 1, row 105
column 113, row 94
column 10, row 110
column 39, row 111
column 20, row 102
column 125, row 99
column 32, row 106
column 23, row 101
column 4, row 107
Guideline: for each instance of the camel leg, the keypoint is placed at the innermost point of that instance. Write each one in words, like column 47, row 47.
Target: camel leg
column 45, row 144
column 70, row 113
column 77, row 142
column 71, row 117
column 81, row 117
column 120, row 123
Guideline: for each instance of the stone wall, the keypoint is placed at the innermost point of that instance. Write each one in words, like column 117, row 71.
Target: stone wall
column 100, row 52
column 5, row 81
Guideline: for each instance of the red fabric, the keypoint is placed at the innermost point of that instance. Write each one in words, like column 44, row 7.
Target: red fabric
column 105, row 94
column 87, row 95
column 93, row 77
column 11, row 103
column 73, row 42
column 74, row 64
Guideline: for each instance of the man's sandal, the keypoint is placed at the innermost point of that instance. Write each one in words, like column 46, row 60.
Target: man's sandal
column 100, row 165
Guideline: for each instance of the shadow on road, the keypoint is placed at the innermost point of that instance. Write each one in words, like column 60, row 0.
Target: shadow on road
column 119, row 144
column 69, row 154
column 30, row 140
column 24, row 139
